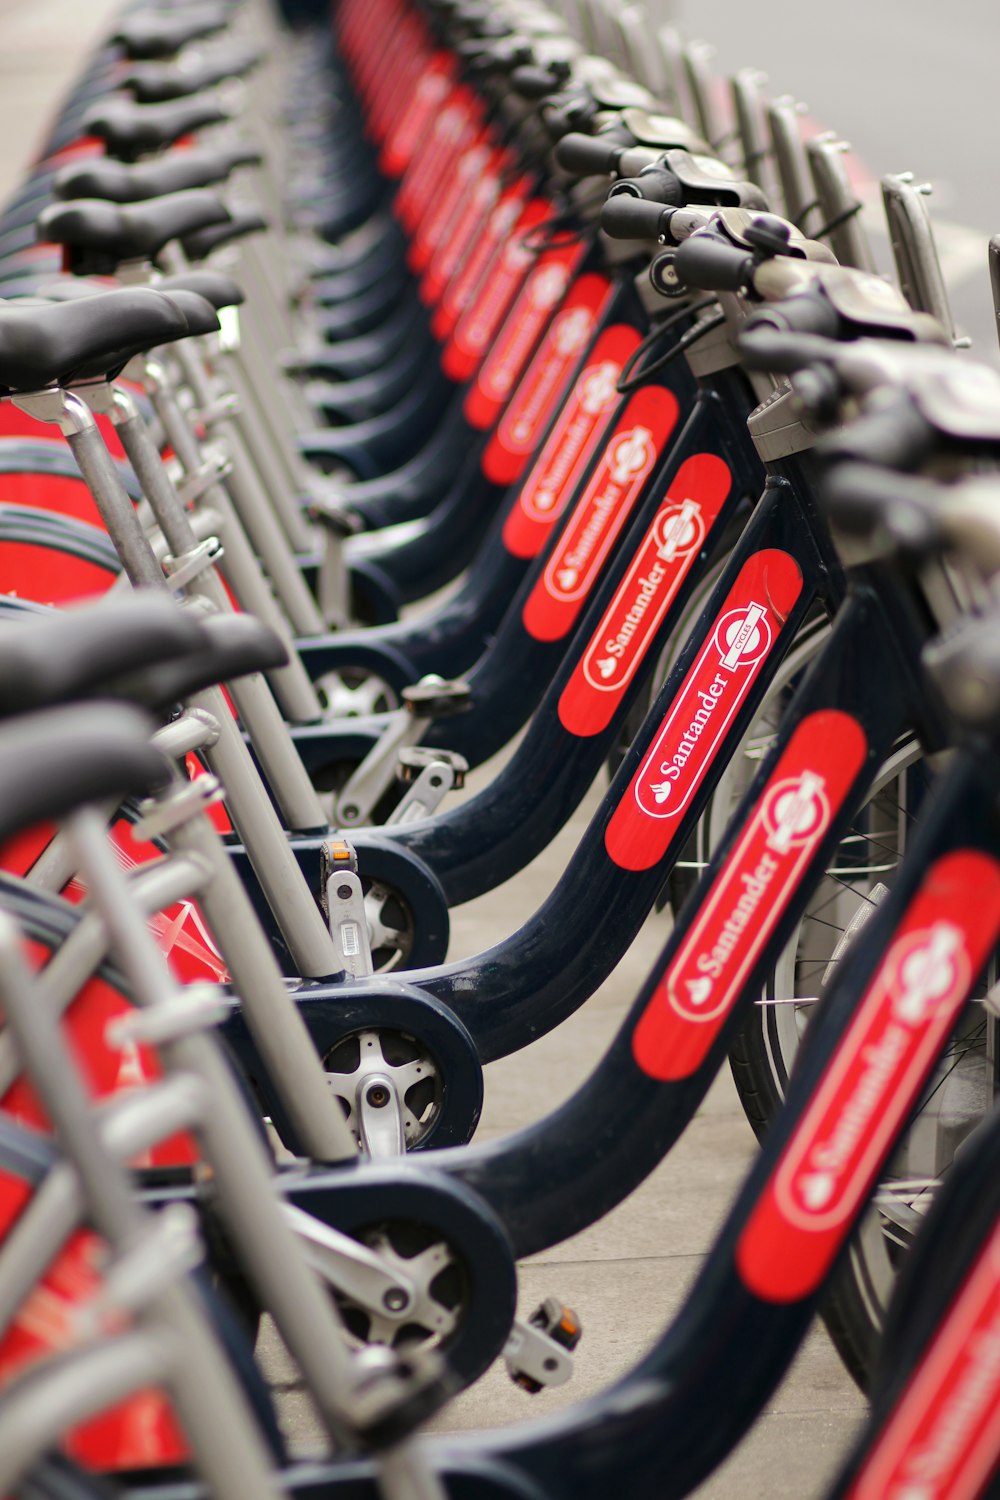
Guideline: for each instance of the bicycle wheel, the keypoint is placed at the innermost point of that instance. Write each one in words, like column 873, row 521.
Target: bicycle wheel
column 763, row 1055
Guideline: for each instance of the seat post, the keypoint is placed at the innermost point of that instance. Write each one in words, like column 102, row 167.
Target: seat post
column 272, row 857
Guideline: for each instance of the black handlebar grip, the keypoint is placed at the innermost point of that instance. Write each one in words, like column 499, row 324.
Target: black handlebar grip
column 864, row 501
column 628, row 218
column 587, row 155
column 531, row 81
column 805, row 312
column 892, row 434
column 762, row 346
column 655, row 184
column 712, row 265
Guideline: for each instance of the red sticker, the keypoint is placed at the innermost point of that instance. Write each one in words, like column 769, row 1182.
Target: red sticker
column 609, row 498
column 470, row 154
column 942, row 1439
column 533, row 404
column 579, row 428
column 431, row 90
column 874, row 1080
column 749, row 624
column 675, row 536
column 427, row 168
column 541, row 294
column 477, row 328
column 471, row 223
column 749, row 896
column 465, row 285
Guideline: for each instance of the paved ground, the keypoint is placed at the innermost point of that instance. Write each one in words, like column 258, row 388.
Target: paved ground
column 910, row 88
column 627, row 1275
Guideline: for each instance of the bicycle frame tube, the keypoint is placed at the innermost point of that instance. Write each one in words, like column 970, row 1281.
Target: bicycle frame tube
column 565, row 1172
column 884, row 1020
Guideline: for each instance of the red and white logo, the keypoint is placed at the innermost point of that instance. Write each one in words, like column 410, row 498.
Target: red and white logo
column 941, row 1440
column 490, row 305
column 472, row 274
column 706, row 975
column 545, row 380
column 450, row 252
column 571, row 331
column 570, row 445
column 741, row 640
column 696, row 723
column 924, row 972
column 545, row 286
column 607, row 501
column 874, row 1079
column 743, row 636
column 597, row 394
column 598, row 389
column 662, row 561
column 432, row 86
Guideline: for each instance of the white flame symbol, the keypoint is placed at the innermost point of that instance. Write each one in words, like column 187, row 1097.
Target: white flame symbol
column 567, row 577
column 698, row 990
column 661, row 791
column 817, row 1190
column 606, row 666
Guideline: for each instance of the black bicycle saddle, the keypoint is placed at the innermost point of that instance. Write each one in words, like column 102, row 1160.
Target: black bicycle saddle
column 219, row 290
column 155, row 83
column 202, row 242
column 101, row 235
column 75, row 653
column 198, row 311
column 233, row 646
column 119, row 183
column 157, row 33
column 131, row 130
column 53, row 762
column 45, row 343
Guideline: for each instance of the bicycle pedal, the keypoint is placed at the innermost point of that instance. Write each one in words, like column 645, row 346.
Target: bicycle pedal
column 435, row 697
column 415, row 759
column 344, row 904
column 538, row 1353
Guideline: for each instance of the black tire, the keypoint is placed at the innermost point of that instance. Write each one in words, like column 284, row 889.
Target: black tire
column 764, row 1053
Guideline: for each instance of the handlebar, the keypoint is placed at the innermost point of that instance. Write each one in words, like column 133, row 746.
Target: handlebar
column 589, row 155
column 780, row 352
column 534, row 81
column 876, row 503
column 630, row 218
column 655, row 183
column 709, row 264
column 892, row 434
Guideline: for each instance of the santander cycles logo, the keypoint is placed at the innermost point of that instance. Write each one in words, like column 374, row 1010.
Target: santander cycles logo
column 572, row 330
column 924, row 973
column 631, row 455
column 742, row 638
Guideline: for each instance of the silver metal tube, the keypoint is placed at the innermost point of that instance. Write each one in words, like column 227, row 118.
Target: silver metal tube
column 292, row 686
column 274, row 1020
column 244, row 1182
column 275, row 749
column 255, row 507
column 210, row 1404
